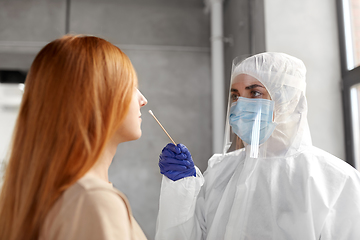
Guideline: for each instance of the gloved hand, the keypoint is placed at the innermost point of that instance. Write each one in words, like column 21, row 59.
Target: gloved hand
column 176, row 162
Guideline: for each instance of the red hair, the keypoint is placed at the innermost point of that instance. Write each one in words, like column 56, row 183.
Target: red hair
column 77, row 93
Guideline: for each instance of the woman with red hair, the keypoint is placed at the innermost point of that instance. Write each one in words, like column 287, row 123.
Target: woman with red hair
column 80, row 101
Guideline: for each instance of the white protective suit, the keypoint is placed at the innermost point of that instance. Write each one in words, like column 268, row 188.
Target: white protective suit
column 293, row 191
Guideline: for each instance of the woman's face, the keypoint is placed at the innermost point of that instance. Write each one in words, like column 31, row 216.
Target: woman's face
column 248, row 87
column 130, row 129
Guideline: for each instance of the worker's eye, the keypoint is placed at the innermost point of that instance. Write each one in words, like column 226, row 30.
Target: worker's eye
column 234, row 97
column 256, row 94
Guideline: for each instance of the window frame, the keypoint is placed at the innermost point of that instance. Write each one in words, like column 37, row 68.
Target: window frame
column 349, row 79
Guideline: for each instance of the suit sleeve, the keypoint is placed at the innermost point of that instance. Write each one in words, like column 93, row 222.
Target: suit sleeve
column 180, row 214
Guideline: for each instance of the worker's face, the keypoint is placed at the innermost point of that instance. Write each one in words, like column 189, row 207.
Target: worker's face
column 248, row 87
column 130, row 129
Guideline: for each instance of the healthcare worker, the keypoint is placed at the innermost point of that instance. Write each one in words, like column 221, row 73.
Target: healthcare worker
column 279, row 186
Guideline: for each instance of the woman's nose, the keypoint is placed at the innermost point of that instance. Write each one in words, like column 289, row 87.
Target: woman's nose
column 142, row 100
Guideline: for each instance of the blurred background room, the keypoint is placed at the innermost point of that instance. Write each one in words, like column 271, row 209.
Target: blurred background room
column 182, row 51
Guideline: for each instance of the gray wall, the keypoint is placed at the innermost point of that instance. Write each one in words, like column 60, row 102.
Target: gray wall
column 245, row 27
column 25, row 26
column 168, row 43
column 307, row 29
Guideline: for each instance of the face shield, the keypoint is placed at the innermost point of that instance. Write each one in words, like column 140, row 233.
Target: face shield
column 249, row 112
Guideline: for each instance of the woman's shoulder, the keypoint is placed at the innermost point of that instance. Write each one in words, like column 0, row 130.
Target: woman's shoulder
column 92, row 205
column 98, row 194
column 90, row 182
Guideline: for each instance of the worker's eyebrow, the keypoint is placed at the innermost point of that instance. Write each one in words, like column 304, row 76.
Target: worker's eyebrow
column 234, row 90
column 253, row 86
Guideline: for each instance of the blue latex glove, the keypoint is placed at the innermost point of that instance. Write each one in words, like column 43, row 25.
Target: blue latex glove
column 176, row 162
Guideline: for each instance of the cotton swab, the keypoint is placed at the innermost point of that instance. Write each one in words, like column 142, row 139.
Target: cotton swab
column 152, row 114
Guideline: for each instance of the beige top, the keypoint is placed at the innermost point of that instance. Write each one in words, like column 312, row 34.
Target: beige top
column 91, row 209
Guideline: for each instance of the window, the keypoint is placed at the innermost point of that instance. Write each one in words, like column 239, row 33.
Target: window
column 351, row 19
column 349, row 29
column 355, row 119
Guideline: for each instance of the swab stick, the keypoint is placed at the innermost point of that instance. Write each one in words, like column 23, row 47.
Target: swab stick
column 152, row 114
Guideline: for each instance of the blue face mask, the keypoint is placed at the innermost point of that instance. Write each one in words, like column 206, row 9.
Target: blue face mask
column 251, row 119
